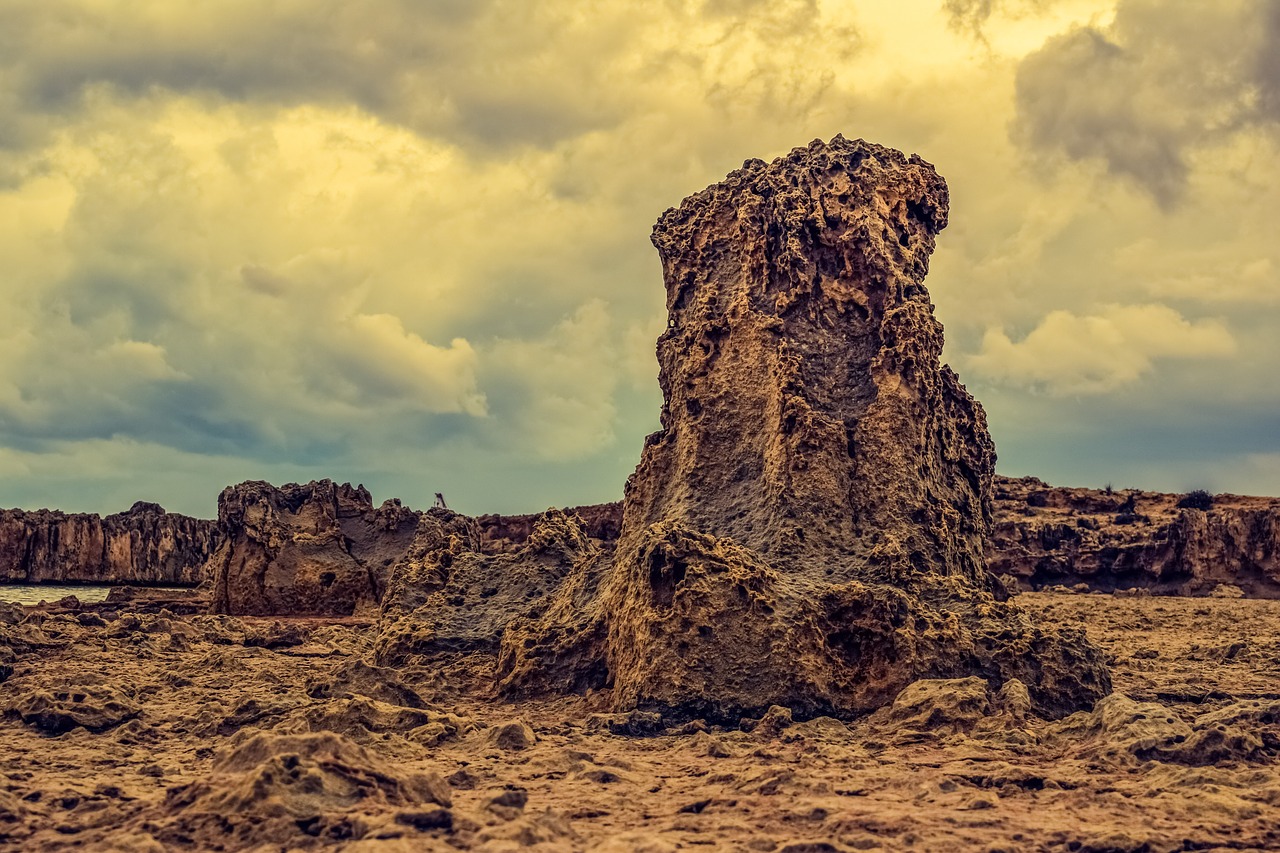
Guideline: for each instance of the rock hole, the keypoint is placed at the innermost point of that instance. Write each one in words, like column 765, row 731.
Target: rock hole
column 664, row 576
column 327, row 579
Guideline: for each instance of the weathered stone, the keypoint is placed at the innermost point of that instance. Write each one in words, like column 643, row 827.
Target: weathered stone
column 314, row 549
column 447, row 594
column 1046, row 536
column 807, row 528
column 513, row 735
column 286, row 790
column 144, row 545
column 59, row 708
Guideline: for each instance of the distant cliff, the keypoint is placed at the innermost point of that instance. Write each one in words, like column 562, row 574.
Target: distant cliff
column 145, row 545
column 1044, row 536
column 1041, row 536
column 1048, row 536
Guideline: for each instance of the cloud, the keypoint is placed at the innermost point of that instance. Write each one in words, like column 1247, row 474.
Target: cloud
column 1097, row 354
column 491, row 74
column 1144, row 94
column 972, row 16
column 407, row 243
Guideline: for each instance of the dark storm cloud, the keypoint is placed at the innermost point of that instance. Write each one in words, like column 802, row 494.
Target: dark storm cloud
column 436, row 67
column 1132, row 441
column 1141, row 95
column 1269, row 65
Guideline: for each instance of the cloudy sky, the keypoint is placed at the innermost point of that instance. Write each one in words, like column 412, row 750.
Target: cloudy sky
column 405, row 242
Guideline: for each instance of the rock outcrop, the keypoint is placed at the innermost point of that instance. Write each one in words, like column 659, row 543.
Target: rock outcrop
column 807, row 528
column 288, row 791
column 1107, row 540
column 457, row 591
column 317, row 549
column 602, row 522
column 145, row 545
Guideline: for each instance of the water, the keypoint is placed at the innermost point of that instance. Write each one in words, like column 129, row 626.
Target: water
column 34, row 593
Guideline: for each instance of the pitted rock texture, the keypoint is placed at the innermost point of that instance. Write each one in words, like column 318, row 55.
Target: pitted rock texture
column 508, row 532
column 145, row 545
column 317, row 549
column 807, row 528
column 1047, row 536
column 458, row 591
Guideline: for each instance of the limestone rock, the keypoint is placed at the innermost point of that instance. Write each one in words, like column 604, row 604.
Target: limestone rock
column 807, row 527
column 1047, row 536
column 512, row 735
column 601, row 522
column 1119, row 727
column 143, row 545
column 281, row 788
column 315, row 549
column 934, row 705
column 58, row 708
column 448, row 594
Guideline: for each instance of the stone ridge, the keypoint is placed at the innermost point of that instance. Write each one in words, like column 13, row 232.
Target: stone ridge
column 144, row 545
column 1108, row 540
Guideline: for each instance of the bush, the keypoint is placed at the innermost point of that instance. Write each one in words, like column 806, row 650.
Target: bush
column 1199, row 499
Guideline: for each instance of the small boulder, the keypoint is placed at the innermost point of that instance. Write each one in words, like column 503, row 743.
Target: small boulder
column 513, row 735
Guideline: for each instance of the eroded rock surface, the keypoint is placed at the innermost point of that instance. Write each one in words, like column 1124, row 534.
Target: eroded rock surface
column 458, row 591
column 298, row 550
column 1184, row 755
column 602, row 522
column 807, row 528
column 145, row 545
column 1047, row 536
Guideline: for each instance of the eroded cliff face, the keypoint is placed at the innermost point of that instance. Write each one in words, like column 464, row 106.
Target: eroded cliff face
column 145, row 545
column 807, row 528
column 1048, row 536
column 317, row 549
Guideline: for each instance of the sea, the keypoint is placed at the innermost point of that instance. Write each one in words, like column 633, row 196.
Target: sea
column 34, row 593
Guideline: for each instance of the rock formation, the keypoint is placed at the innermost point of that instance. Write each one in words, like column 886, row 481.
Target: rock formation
column 807, row 528
column 602, row 522
column 454, row 591
column 145, row 545
column 1045, row 536
column 305, row 550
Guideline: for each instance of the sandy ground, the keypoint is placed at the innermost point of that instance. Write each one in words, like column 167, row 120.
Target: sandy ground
column 151, row 732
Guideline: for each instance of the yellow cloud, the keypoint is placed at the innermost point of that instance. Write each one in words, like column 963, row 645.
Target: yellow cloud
column 342, row 235
column 1094, row 354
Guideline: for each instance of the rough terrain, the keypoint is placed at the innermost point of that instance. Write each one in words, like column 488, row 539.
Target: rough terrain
column 1100, row 539
column 144, row 545
column 150, row 732
column 787, row 639
column 1130, row 539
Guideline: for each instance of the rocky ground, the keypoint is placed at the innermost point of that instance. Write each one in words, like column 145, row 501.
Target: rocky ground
column 152, row 731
